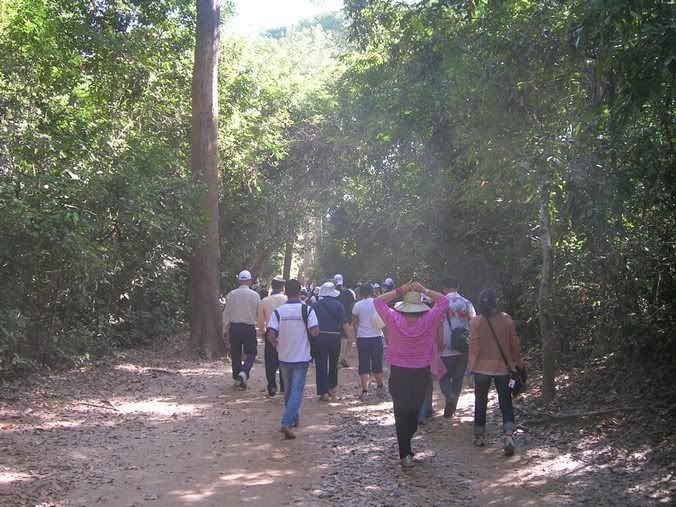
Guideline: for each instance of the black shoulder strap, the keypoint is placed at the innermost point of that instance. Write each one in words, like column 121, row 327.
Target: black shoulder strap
column 495, row 337
column 448, row 319
column 304, row 313
column 278, row 318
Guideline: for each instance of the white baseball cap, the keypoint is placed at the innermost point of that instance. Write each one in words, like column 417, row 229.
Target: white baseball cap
column 338, row 279
column 244, row 275
column 388, row 281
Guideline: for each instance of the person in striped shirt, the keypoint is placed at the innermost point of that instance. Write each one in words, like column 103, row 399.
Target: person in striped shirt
column 412, row 343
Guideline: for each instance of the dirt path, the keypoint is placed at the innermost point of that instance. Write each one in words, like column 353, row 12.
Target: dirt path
column 171, row 431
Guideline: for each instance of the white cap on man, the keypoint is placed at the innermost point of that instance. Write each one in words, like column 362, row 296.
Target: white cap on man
column 338, row 279
column 389, row 282
column 244, row 275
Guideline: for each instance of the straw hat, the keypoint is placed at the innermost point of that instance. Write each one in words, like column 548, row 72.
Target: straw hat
column 328, row 290
column 412, row 303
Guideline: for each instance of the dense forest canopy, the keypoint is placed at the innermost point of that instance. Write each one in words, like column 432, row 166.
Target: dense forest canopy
column 393, row 139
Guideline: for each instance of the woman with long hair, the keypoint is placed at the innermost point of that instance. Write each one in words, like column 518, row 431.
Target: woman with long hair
column 485, row 364
column 412, row 331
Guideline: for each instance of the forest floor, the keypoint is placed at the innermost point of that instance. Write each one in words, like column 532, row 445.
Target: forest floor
column 156, row 427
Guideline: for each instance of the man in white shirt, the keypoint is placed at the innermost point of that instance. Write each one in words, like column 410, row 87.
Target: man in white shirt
column 460, row 312
column 239, row 324
column 268, row 305
column 288, row 330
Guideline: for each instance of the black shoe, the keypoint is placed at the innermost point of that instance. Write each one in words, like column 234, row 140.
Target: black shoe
column 449, row 409
column 272, row 393
column 421, row 422
column 344, row 364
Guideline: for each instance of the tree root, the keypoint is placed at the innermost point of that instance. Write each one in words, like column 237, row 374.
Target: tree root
column 547, row 418
column 107, row 406
column 160, row 370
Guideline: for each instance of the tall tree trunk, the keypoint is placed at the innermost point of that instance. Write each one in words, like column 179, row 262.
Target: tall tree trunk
column 205, row 313
column 262, row 257
column 288, row 257
column 544, row 297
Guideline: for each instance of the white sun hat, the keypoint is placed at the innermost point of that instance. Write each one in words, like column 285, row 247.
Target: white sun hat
column 412, row 303
column 338, row 279
column 328, row 290
column 244, row 275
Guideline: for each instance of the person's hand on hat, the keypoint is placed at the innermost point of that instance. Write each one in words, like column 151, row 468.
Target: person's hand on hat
column 417, row 287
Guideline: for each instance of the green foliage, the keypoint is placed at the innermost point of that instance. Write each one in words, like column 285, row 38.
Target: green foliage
column 95, row 202
column 455, row 110
column 415, row 138
column 276, row 141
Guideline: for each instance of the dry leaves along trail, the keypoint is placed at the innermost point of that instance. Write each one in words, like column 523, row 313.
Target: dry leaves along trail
column 173, row 431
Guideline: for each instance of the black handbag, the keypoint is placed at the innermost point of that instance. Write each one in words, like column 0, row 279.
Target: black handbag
column 459, row 337
column 519, row 377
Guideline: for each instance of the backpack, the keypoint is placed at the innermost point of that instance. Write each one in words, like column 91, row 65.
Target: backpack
column 314, row 346
column 459, row 337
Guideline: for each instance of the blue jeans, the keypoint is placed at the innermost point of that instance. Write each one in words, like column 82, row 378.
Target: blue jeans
column 451, row 382
column 326, row 363
column 294, row 375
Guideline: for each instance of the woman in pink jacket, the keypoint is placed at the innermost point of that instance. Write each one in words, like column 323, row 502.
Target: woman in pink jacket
column 411, row 348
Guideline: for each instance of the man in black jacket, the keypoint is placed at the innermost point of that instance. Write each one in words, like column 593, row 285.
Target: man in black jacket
column 347, row 299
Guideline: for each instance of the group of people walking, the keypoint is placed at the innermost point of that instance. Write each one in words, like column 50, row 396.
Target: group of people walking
column 422, row 334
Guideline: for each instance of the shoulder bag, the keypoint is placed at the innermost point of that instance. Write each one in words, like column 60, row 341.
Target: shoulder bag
column 518, row 378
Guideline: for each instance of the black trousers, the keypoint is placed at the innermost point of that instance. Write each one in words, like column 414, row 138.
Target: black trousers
column 271, row 367
column 242, row 340
column 408, row 387
column 326, row 363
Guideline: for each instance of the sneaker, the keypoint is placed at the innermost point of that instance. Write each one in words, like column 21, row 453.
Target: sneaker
column 344, row 364
column 479, row 440
column 324, row 397
column 242, row 379
column 288, row 434
column 449, row 408
column 509, row 445
column 407, row 462
column 364, row 396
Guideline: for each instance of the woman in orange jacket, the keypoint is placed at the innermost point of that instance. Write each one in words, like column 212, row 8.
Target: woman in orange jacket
column 485, row 363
